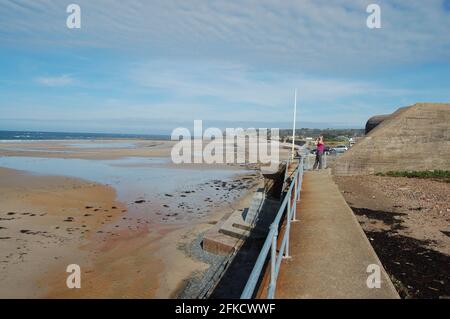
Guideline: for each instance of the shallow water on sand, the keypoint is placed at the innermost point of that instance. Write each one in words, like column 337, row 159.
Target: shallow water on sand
column 27, row 149
column 96, row 144
column 158, row 188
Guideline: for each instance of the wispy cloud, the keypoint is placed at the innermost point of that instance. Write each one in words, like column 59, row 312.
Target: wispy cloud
column 237, row 84
column 177, row 60
column 308, row 34
column 62, row 80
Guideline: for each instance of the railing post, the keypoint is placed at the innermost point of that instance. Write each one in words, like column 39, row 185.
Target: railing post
column 288, row 225
column 288, row 229
column 289, row 203
column 294, row 208
column 296, row 185
column 293, row 214
column 273, row 261
column 297, row 190
column 301, row 177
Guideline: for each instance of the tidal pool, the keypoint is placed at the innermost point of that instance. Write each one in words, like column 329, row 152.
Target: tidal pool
column 163, row 188
column 97, row 144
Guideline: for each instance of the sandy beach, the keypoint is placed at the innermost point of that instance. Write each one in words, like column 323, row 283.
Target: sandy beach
column 87, row 149
column 114, row 209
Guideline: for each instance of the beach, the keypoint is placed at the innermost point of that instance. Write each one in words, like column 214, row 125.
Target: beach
column 120, row 209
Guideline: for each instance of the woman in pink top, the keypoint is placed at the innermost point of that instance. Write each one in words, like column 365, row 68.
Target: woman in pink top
column 319, row 152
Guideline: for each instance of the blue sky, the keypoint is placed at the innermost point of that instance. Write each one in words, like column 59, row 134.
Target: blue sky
column 151, row 66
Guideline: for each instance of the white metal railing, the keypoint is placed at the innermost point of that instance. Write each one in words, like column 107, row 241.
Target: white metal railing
column 310, row 160
column 289, row 205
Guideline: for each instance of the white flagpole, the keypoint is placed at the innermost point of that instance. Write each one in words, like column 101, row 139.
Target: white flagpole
column 293, row 130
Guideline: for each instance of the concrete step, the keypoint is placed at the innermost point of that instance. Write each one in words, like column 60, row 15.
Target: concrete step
column 255, row 206
column 235, row 226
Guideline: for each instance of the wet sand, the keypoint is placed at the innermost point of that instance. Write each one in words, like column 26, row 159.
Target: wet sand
column 43, row 221
column 127, row 247
column 86, row 149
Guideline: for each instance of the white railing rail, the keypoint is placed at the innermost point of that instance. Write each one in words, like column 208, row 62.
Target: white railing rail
column 289, row 205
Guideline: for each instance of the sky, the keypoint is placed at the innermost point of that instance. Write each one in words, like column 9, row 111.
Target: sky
column 143, row 66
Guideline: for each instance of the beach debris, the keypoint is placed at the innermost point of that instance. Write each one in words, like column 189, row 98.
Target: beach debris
column 28, row 232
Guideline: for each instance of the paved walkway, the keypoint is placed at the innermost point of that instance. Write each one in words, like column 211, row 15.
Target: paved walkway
column 330, row 252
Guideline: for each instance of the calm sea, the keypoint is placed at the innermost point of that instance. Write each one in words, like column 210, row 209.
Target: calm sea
column 29, row 135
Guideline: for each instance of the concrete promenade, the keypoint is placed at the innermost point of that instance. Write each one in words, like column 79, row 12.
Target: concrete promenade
column 329, row 251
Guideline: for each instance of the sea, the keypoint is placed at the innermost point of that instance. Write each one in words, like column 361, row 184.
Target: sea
column 32, row 135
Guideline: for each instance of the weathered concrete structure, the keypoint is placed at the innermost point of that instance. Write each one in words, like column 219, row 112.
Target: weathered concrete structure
column 229, row 234
column 413, row 138
column 374, row 121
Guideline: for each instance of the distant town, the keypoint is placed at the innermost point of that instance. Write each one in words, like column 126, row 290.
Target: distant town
column 336, row 140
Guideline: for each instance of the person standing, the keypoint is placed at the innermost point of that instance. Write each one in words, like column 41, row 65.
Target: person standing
column 319, row 152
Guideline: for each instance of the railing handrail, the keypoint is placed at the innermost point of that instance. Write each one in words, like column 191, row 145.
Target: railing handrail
column 271, row 240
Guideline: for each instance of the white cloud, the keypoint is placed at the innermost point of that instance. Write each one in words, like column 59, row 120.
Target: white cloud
column 308, row 34
column 235, row 84
column 62, row 80
column 234, row 60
